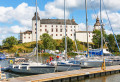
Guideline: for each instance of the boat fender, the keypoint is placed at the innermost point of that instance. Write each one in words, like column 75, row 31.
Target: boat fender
column 19, row 67
column 11, row 61
column 27, row 67
column 13, row 66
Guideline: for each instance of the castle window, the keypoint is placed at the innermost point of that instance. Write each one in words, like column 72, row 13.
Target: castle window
column 60, row 30
column 35, row 24
column 71, row 29
column 52, row 30
column 35, row 28
column 29, row 37
column 60, row 25
column 24, row 37
column 71, row 26
column 45, row 25
column 89, row 35
column 60, row 34
column 56, row 34
column 40, row 25
column 71, row 34
column 52, row 26
column 51, row 34
column 56, row 26
column 35, row 32
column 29, row 34
column 56, row 30
column 74, row 26
column 45, row 30
column 40, row 30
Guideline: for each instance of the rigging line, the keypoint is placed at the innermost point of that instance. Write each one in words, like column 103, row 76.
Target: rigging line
column 111, row 26
column 96, row 17
column 93, row 9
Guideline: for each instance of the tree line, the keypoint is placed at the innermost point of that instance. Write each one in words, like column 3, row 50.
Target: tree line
column 108, row 40
column 47, row 42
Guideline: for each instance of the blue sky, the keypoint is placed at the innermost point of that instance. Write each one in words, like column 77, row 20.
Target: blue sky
column 16, row 15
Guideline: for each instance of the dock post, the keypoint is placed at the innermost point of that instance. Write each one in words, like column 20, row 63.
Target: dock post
column 103, row 65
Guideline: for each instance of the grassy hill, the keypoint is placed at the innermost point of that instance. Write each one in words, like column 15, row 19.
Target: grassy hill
column 28, row 47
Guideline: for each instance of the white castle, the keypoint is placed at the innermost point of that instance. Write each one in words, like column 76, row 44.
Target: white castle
column 56, row 29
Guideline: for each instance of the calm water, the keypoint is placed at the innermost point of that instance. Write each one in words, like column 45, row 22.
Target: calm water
column 110, row 78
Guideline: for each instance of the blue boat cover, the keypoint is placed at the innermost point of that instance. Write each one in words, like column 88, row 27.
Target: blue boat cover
column 2, row 56
column 95, row 52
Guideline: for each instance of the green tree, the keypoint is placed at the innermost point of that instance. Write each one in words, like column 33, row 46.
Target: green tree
column 97, row 38
column 9, row 42
column 69, row 44
column 111, row 42
column 48, row 41
column 118, row 39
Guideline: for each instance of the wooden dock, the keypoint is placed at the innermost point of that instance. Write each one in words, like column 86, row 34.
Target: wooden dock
column 68, row 76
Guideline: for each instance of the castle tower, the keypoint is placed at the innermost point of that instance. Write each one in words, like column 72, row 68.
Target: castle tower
column 97, row 25
column 34, row 27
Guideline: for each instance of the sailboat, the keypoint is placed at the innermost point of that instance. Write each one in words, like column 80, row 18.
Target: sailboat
column 33, row 67
column 95, row 61
column 65, row 64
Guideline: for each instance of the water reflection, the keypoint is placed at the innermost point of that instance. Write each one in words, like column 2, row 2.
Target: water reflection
column 109, row 78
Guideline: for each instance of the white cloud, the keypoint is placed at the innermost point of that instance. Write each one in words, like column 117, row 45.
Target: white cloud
column 5, row 13
column 13, row 29
column 114, row 18
column 17, row 29
column 2, row 37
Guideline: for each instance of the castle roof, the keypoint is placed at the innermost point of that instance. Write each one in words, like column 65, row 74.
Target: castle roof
column 97, row 22
column 58, row 21
column 54, row 21
column 34, row 18
column 27, row 32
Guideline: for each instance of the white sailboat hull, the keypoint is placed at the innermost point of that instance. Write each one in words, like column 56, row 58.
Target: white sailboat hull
column 33, row 69
column 67, row 67
column 91, row 64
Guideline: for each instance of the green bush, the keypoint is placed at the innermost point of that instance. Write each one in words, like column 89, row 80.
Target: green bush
column 72, row 54
column 45, row 54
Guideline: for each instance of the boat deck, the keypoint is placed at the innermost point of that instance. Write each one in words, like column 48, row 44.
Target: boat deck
column 67, row 75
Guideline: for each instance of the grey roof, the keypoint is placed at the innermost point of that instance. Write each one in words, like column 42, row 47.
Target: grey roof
column 54, row 21
column 27, row 32
column 34, row 18
column 97, row 22
column 58, row 21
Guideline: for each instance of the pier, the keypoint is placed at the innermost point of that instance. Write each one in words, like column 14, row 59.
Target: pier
column 68, row 76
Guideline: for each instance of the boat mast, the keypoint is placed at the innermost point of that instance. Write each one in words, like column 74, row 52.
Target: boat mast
column 36, row 34
column 65, row 33
column 101, row 27
column 87, row 27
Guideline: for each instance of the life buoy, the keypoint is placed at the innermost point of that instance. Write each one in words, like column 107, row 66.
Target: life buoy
column 11, row 61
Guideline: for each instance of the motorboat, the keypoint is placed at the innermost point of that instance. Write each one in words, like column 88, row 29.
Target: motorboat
column 66, row 65
column 32, row 68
